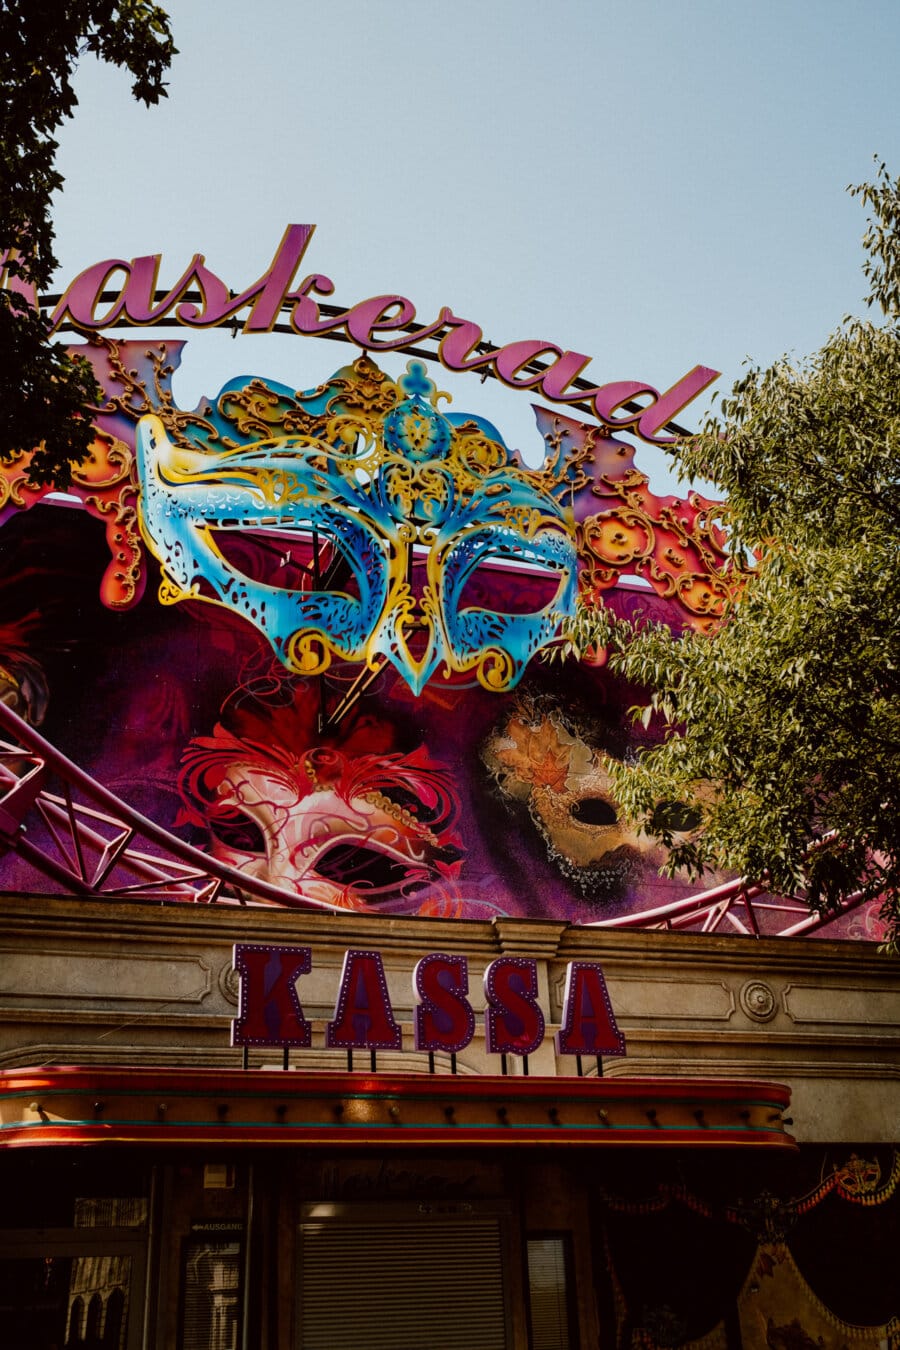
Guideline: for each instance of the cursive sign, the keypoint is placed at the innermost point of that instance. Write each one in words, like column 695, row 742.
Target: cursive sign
column 127, row 291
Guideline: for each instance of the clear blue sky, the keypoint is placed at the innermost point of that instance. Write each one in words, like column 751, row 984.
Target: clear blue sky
column 654, row 182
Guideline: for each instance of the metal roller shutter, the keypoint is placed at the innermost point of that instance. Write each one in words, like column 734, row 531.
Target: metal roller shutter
column 421, row 1283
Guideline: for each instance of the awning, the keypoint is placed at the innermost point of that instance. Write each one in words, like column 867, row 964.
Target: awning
column 121, row 1105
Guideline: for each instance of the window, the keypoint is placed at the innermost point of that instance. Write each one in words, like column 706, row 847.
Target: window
column 549, row 1292
column 211, row 1290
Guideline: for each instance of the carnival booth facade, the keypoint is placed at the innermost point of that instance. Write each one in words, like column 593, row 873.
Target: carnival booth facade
column 339, row 1005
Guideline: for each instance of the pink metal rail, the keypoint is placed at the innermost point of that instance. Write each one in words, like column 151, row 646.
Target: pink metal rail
column 739, row 906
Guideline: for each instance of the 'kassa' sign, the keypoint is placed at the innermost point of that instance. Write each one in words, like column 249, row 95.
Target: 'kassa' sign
column 271, row 1012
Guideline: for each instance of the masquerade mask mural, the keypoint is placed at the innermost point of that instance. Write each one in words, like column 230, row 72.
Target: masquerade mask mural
column 553, row 762
column 348, row 819
column 344, row 683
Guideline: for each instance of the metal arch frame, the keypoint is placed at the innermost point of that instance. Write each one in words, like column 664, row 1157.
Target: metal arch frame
column 99, row 847
column 333, row 311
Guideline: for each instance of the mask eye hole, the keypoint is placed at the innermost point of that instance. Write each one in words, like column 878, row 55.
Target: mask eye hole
column 526, row 591
column 594, row 811
column 365, row 869
column 238, row 832
column 284, row 559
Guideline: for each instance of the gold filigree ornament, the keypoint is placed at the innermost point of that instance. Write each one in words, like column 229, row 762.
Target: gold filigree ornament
column 15, row 489
column 859, row 1176
column 364, row 389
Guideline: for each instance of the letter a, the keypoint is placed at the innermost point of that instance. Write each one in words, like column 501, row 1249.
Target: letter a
column 363, row 1018
column 588, row 1024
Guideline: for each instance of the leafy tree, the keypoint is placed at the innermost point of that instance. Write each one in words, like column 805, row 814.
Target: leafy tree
column 42, row 391
column 782, row 729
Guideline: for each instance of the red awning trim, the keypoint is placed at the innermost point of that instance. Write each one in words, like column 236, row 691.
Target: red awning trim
column 71, row 1105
